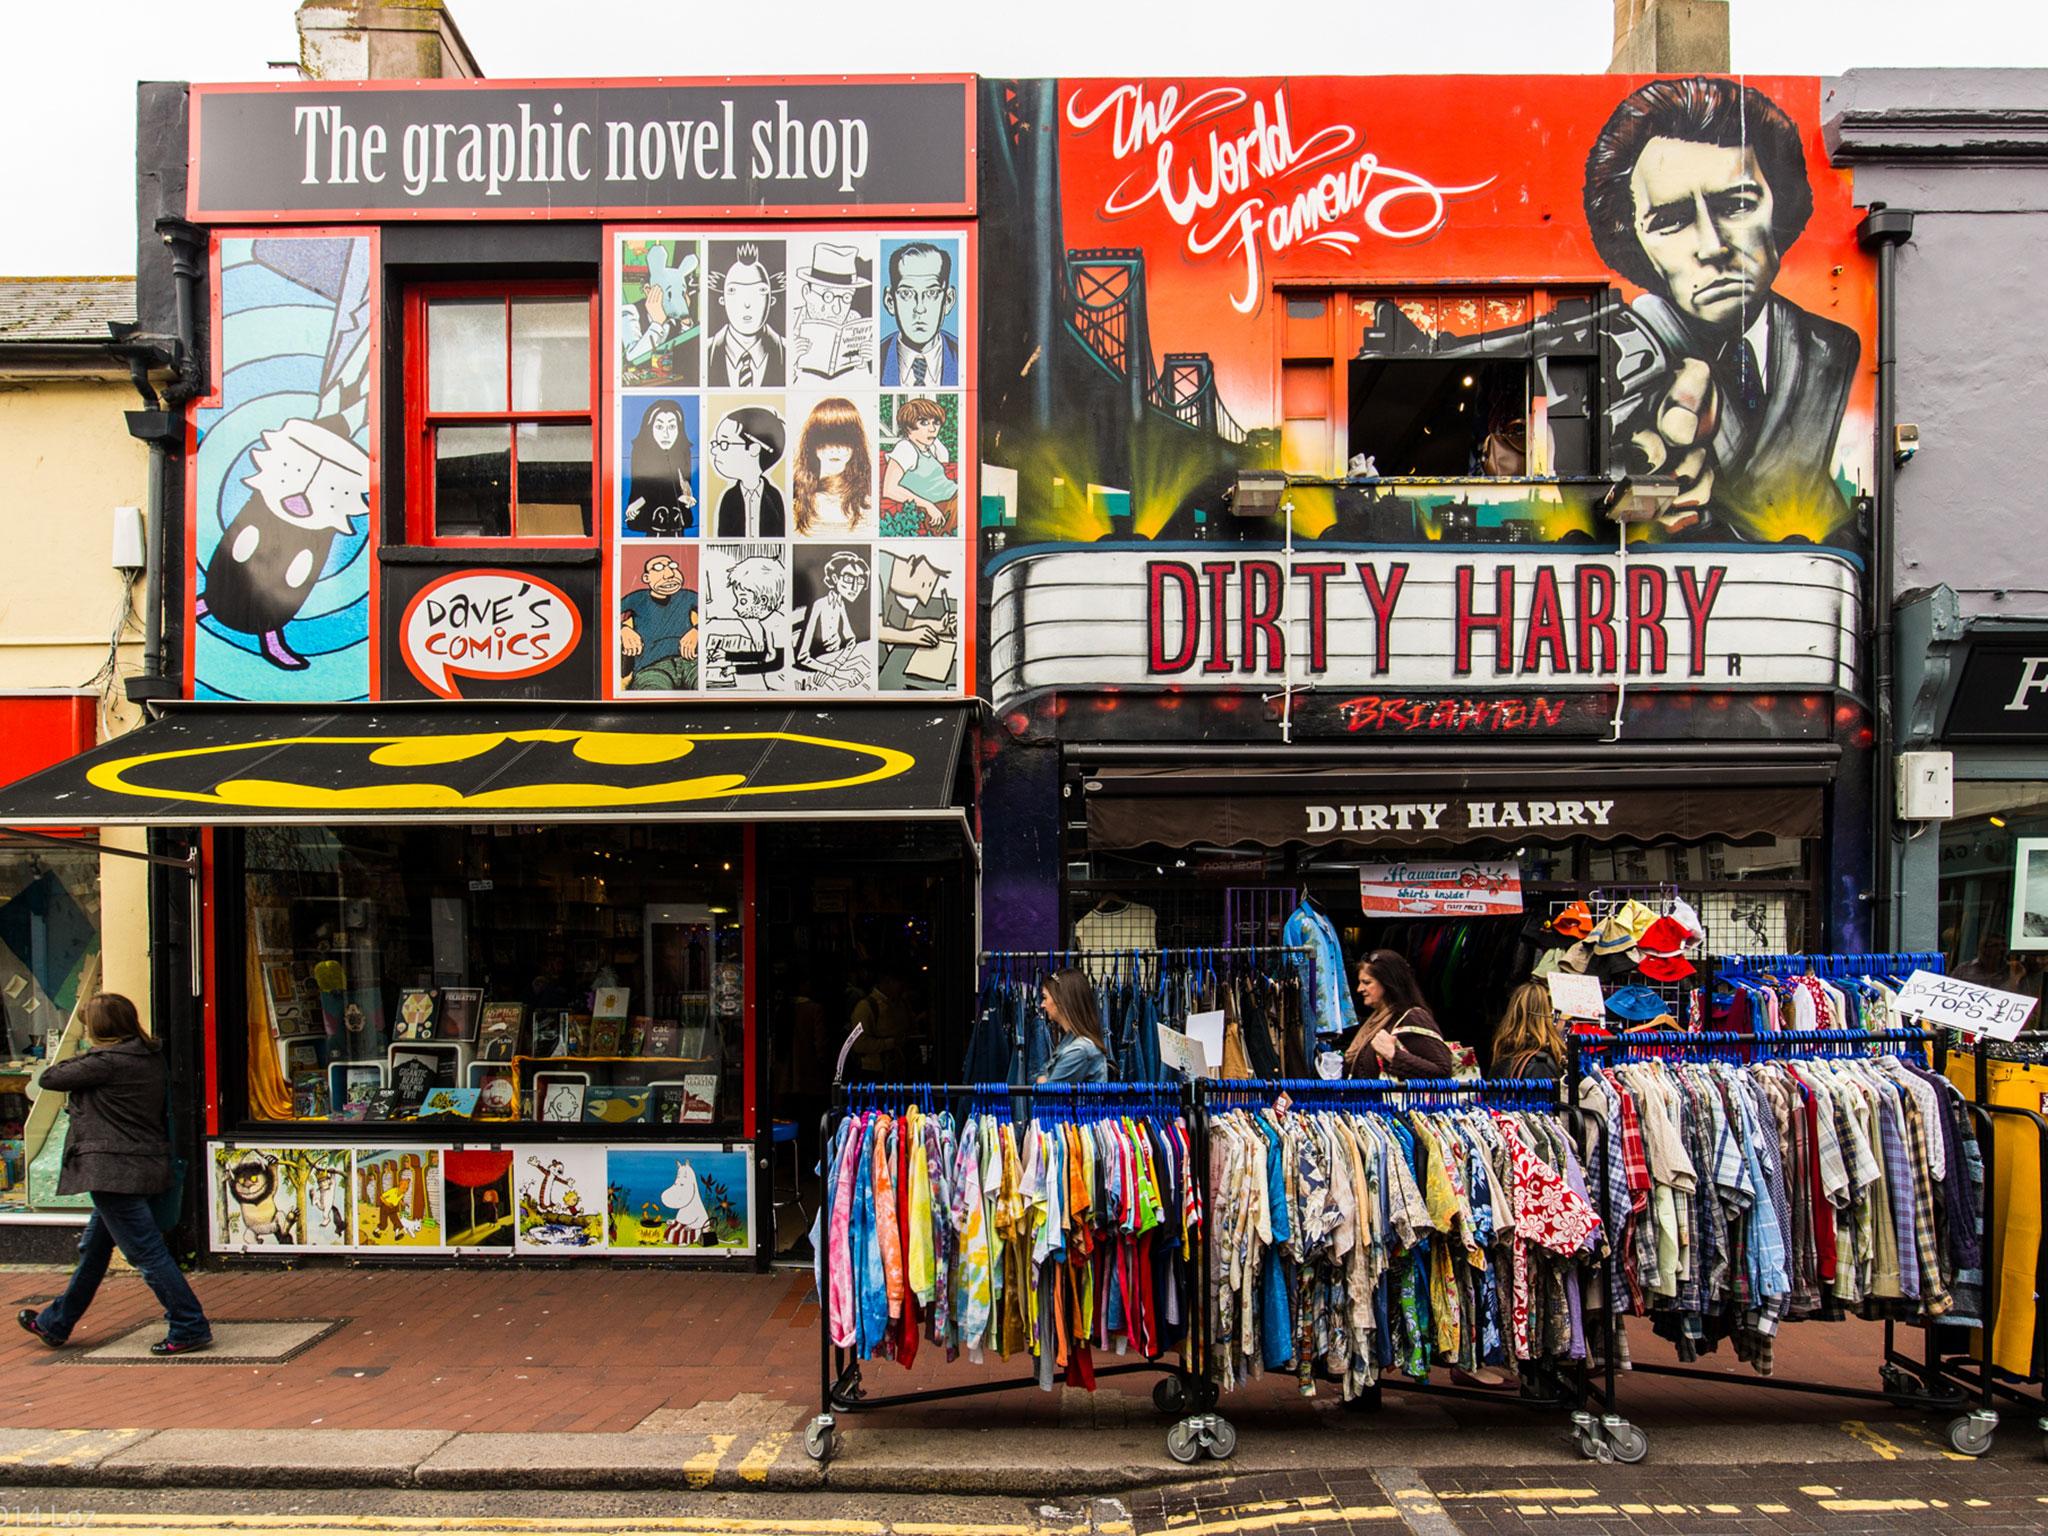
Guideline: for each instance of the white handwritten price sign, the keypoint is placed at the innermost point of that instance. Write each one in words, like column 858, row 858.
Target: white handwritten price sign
column 1963, row 1005
column 1576, row 997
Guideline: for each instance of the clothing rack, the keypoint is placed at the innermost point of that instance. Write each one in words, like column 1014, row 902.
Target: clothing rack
column 1601, row 1435
column 1906, row 1381
column 839, row 1371
column 1978, row 1375
column 1833, row 967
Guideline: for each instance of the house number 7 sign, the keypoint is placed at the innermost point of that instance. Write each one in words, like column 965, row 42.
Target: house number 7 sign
column 1963, row 1005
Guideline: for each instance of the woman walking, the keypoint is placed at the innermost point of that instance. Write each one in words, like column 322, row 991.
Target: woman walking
column 118, row 1152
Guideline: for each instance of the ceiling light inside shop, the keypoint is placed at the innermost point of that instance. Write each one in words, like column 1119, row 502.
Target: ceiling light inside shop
column 1997, row 821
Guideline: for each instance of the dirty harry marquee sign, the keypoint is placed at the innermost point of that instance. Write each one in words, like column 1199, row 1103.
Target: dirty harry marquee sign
column 1385, row 624
column 571, row 149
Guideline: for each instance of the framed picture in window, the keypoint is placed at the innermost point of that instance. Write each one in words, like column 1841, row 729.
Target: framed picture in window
column 461, row 1008
column 558, row 1096
column 2030, row 893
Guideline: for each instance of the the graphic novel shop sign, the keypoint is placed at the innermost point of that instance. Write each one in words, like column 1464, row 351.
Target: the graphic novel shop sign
column 1375, row 629
column 528, row 149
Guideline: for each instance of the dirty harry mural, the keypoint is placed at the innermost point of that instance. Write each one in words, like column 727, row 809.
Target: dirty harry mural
column 1695, row 192
column 281, row 604
column 1670, row 264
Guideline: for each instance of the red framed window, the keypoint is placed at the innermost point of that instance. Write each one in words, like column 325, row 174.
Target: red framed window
column 501, row 385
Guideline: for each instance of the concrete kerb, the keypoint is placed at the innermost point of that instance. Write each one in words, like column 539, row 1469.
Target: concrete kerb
column 1020, row 1462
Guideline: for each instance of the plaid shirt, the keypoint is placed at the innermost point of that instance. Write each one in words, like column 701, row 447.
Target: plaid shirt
column 1768, row 1274
column 1898, row 1174
column 1934, row 1294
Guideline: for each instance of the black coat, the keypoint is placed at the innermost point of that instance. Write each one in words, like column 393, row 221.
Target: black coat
column 119, row 1143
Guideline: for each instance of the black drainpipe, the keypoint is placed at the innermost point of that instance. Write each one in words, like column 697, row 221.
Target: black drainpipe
column 1884, row 230
column 161, row 424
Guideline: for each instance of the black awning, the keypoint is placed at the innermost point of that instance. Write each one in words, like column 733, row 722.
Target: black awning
column 213, row 764
column 1132, row 807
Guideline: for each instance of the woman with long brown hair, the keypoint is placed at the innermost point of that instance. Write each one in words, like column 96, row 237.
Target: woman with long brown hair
column 1079, row 1056
column 833, row 485
column 1529, row 1042
column 1398, row 1037
column 118, row 1152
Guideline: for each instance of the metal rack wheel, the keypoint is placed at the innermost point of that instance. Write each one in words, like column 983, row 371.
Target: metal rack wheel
column 1201, row 1434
column 821, row 1439
column 1629, row 1444
column 1207, row 1395
column 1608, row 1438
column 1170, row 1395
column 1971, row 1433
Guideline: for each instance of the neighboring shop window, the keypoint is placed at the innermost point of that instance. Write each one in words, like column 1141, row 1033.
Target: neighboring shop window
column 586, row 978
column 498, row 404
column 1981, row 875
column 49, row 963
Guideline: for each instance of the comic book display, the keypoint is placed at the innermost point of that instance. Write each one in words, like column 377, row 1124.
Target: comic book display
column 792, row 466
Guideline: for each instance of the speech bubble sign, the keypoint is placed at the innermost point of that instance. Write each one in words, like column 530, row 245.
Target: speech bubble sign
column 488, row 624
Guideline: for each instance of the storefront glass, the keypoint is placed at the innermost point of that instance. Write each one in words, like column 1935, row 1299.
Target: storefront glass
column 589, row 978
column 1981, row 850
column 49, row 961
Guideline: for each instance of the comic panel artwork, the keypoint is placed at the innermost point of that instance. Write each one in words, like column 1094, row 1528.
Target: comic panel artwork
column 271, row 1197
column 1354, row 282
column 679, row 1199
column 827, row 408
column 281, row 525
column 659, row 632
column 399, row 1198
column 478, row 1186
column 560, row 1191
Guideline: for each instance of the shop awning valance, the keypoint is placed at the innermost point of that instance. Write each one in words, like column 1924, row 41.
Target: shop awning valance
column 1175, row 807
column 210, row 764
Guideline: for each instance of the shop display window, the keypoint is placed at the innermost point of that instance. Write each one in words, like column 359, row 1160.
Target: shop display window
column 1989, row 872
column 585, row 979
column 49, row 964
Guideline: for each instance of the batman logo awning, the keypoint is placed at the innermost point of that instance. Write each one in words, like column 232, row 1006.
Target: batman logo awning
column 211, row 764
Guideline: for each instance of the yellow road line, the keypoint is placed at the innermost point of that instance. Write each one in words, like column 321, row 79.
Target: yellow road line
column 1285, row 1518
column 1856, row 1429
column 699, row 1470
column 1873, row 1506
column 61, row 1439
column 1522, row 1493
column 1919, row 1432
column 761, row 1456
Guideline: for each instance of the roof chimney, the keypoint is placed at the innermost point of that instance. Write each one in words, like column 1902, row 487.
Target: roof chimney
column 365, row 40
column 1670, row 37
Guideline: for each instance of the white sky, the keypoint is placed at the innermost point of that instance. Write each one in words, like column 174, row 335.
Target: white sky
column 70, row 127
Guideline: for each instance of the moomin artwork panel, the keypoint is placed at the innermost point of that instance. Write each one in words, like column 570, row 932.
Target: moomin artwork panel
column 680, row 1199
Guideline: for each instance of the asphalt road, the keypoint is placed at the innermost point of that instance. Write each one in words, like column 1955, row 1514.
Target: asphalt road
column 2004, row 1493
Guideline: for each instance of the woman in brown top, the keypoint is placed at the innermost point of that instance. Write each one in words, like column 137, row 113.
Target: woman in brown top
column 1399, row 1038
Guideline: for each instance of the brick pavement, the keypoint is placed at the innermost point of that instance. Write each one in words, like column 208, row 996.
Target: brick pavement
column 604, row 1349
